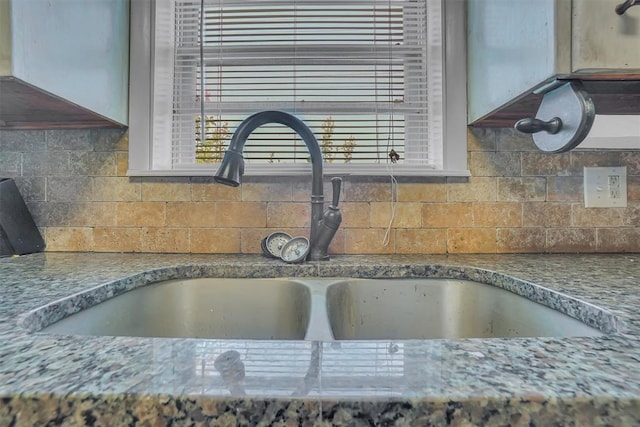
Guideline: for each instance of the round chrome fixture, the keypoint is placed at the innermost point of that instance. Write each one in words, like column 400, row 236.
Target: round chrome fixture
column 295, row 250
column 274, row 242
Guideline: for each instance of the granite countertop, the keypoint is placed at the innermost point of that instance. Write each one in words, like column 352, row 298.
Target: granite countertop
column 50, row 379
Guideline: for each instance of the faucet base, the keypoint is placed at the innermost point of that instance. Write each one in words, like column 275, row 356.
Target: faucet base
column 319, row 258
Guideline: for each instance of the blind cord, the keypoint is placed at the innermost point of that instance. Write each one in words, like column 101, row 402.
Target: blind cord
column 203, row 119
column 391, row 139
column 394, row 205
column 220, row 74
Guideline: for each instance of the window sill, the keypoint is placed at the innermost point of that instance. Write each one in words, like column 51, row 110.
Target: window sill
column 297, row 170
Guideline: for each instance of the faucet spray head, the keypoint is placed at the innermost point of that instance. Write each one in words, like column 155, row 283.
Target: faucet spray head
column 231, row 169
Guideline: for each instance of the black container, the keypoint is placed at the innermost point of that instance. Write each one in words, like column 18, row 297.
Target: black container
column 18, row 232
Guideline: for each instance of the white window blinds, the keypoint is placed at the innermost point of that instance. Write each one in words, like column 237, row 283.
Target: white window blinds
column 366, row 76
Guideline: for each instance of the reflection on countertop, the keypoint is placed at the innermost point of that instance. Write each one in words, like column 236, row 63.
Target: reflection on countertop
column 127, row 380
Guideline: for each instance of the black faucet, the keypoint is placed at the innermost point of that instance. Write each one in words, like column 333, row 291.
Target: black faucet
column 324, row 224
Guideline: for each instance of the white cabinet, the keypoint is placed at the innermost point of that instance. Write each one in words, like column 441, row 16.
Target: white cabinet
column 519, row 50
column 64, row 63
column 602, row 39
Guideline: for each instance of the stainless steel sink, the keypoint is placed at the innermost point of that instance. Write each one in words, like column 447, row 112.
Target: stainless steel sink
column 369, row 309
column 320, row 309
column 199, row 308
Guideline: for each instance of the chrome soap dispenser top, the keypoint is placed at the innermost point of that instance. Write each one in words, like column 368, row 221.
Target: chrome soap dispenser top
column 323, row 224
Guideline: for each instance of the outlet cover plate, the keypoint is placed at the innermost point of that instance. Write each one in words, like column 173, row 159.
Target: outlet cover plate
column 605, row 187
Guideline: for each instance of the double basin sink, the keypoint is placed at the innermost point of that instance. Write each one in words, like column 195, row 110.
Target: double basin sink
column 320, row 309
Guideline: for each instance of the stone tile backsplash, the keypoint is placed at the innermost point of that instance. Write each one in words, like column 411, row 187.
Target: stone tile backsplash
column 518, row 200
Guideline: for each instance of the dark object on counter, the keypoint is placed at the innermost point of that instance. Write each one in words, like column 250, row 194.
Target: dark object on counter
column 18, row 233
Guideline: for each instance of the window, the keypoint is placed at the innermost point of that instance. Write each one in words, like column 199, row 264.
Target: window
column 367, row 76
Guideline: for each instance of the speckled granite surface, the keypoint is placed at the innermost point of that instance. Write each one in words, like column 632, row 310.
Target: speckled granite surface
column 82, row 380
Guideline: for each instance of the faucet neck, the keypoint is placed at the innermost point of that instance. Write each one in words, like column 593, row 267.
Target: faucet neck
column 254, row 121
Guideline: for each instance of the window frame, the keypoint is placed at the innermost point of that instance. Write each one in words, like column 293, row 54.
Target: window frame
column 141, row 107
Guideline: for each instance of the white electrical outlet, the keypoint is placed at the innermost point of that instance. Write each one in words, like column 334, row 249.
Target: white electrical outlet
column 605, row 187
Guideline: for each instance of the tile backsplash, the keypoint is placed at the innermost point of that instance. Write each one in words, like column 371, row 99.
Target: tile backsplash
column 518, row 200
